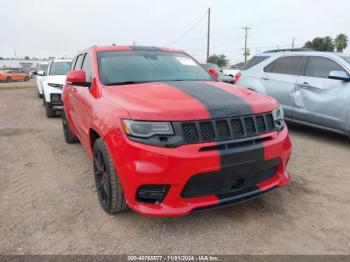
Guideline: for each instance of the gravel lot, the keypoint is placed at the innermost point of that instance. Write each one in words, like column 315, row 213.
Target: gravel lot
column 48, row 203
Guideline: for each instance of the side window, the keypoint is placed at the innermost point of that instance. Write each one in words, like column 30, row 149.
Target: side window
column 288, row 65
column 87, row 67
column 268, row 68
column 254, row 61
column 320, row 67
column 79, row 62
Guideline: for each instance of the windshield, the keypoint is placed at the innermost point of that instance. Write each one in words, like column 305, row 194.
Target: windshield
column 60, row 68
column 43, row 67
column 118, row 67
column 347, row 58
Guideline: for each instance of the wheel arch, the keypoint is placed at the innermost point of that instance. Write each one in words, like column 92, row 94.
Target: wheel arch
column 93, row 136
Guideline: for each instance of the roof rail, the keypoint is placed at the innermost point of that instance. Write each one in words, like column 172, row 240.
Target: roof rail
column 289, row 50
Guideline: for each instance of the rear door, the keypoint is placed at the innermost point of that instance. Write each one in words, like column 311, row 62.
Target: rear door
column 320, row 100
column 280, row 78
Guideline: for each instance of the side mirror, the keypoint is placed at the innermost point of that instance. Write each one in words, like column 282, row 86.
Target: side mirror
column 77, row 78
column 213, row 72
column 339, row 75
column 41, row 73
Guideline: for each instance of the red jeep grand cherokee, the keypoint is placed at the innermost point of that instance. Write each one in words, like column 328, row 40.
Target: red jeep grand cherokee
column 166, row 137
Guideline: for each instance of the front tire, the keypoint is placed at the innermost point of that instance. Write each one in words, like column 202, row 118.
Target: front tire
column 109, row 190
column 67, row 132
column 8, row 79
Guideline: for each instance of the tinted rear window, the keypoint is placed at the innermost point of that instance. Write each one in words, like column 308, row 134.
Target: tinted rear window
column 254, row 61
column 289, row 65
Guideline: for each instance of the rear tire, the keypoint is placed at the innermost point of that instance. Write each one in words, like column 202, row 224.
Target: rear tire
column 40, row 95
column 109, row 190
column 67, row 132
column 49, row 111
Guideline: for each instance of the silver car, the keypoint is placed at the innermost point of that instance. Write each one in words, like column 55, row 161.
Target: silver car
column 312, row 87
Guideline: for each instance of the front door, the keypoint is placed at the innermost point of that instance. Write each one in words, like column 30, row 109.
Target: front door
column 320, row 100
column 82, row 98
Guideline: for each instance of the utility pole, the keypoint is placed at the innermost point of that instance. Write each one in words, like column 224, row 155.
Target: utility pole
column 293, row 42
column 208, row 37
column 246, row 28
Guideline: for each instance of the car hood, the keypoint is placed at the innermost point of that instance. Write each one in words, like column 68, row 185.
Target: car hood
column 58, row 79
column 187, row 100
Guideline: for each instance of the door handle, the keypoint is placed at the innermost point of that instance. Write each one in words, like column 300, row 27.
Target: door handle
column 305, row 85
column 266, row 77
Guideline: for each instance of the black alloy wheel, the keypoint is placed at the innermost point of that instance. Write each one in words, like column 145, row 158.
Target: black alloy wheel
column 109, row 190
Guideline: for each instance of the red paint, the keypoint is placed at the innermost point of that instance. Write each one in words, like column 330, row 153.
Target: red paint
column 100, row 109
column 213, row 72
column 76, row 76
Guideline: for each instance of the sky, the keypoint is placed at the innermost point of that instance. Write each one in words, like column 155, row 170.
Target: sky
column 61, row 27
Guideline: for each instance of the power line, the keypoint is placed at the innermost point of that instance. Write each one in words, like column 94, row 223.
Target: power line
column 189, row 30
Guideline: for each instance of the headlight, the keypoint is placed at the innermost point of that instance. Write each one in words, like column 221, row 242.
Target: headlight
column 147, row 129
column 278, row 118
column 59, row 86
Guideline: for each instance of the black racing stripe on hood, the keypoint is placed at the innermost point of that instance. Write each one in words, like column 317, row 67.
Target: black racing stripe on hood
column 218, row 102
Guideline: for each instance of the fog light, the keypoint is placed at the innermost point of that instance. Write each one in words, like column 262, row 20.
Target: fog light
column 152, row 194
column 55, row 98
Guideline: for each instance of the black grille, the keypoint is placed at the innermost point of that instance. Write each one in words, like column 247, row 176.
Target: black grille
column 249, row 125
column 190, row 132
column 260, row 123
column 227, row 128
column 237, row 127
column 222, row 129
column 228, row 180
column 207, row 131
column 269, row 121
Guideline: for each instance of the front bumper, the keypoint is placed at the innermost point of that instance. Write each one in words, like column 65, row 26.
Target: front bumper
column 138, row 164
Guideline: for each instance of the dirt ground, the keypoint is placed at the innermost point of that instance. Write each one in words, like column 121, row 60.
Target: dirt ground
column 48, row 203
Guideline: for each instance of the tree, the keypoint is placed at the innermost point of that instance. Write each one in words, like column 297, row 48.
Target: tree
column 219, row 60
column 321, row 44
column 341, row 42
